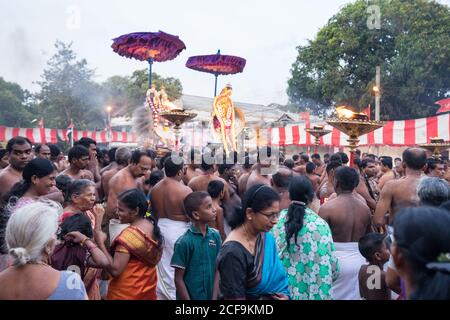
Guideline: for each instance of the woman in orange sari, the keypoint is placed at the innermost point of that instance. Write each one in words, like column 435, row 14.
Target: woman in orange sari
column 136, row 250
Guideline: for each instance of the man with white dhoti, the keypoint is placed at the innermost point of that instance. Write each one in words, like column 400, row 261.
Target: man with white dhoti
column 348, row 217
column 166, row 200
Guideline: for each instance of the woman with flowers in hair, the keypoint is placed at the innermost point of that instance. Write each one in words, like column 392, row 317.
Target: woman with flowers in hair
column 305, row 245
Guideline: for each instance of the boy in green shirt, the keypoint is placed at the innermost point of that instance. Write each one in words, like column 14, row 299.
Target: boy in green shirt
column 195, row 252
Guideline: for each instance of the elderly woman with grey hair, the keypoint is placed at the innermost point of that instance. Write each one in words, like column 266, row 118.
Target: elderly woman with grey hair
column 433, row 191
column 81, row 197
column 30, row 238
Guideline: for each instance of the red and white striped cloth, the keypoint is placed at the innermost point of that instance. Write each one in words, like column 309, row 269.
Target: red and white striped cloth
column 44, row 135
column 394, row 133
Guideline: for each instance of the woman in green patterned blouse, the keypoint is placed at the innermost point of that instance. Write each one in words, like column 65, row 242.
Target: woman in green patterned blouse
column 305, row 245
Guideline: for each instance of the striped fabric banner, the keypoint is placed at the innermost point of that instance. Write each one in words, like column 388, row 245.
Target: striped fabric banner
column 394, row 133
column 38, row 135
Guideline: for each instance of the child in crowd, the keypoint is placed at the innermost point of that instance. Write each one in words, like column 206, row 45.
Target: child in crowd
column 62, row 183
column 79, row 253
column 155, row 177
column 372, row 284
column 216, row 190
column 195, row 252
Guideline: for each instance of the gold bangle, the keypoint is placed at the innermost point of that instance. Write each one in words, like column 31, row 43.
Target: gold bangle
column 83, row 242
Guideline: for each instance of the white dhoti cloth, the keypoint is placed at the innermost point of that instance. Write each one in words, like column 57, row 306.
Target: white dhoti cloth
column 171, row 230
column 346, row 287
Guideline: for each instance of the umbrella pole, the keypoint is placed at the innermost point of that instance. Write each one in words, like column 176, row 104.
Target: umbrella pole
column 215, row 85
column 150, row 64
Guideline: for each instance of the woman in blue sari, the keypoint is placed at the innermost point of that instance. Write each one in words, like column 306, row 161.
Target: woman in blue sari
column 248, row 262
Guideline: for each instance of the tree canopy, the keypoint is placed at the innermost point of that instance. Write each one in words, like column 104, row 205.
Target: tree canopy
column 16, row 109
column 411, row 46
column 68, row 90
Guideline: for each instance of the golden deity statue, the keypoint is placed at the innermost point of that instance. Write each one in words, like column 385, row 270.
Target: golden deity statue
column 224, row 119
column 164, row 100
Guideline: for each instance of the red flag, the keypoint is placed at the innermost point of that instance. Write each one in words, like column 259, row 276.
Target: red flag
column 304, row 116
column 367, row 111
column 41, row 123
column 445, row 105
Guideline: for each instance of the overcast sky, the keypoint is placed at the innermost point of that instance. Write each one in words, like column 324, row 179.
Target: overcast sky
column 265, row 33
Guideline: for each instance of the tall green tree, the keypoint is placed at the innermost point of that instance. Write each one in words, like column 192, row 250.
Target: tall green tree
column 15, row 107
column 412, row 46
column 68, row 91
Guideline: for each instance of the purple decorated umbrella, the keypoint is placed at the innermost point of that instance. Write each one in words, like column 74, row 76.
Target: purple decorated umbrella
column 216, row 64
column 148, row 46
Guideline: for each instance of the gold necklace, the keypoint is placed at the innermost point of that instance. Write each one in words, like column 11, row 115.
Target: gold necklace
column 249, row 242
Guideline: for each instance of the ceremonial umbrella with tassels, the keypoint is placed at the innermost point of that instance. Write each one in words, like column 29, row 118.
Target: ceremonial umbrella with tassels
column 216, row 64
column 148, row 46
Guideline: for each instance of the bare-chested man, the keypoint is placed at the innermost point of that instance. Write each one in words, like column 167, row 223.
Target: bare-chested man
column 435, row 168
column 58, row 158
column 320, row 166
column 349, row 219
column 113, row 163
column 258, row 176
column 398, row 194
column 93, row 165
column 127, row 178
column 228, row 173
column 398, row 168
column 167, row 204
column 200, row 182
column 19, row 153
column 367, row 188
column 447, row 171
column 262, row 169
column 193, row 168
column 4, row 159
column 388, row 173
column 326, row 188
column 243, row 178
column 79, row 161
column 315, row 180
column 42, row 151
column 312, row 175
column 122, row 158
column 301, row 168
column 280, row 183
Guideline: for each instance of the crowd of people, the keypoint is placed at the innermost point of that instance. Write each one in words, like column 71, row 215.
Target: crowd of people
column 125, row 224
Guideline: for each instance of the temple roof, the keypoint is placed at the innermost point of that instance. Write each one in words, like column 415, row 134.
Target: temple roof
column 253, row 112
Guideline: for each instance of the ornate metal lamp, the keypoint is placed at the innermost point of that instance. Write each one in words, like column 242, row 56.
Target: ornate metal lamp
column 354, row 125
column 177, row 117
column 436, row 146
column 317, row 132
